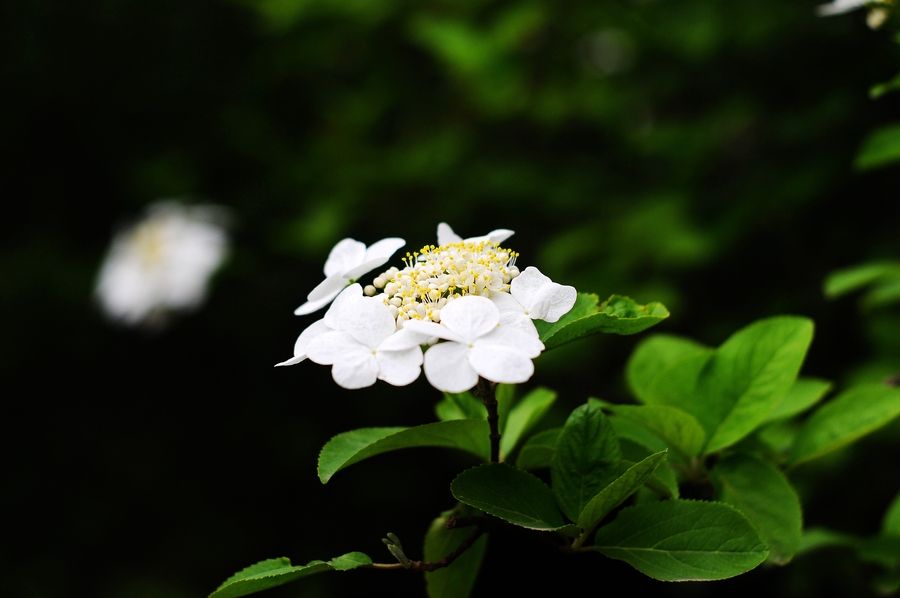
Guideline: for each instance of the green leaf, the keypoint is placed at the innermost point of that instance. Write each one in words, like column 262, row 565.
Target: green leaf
column 523, row 417
column 679, row 430
column 662, row 481
column 853, row 279
column 881, row 147
column 586, row 460
column 876, row 91
column 764, row 495
column 539, row 450
column 275, row 572
column 890, row 525
column 505, row 394
column 886, row 293
column 470, row 435
column 849, row 416
column 511, row 494
column 655, row 354
column 616, row 315
column 627, row 429
column 616, row 492
column 458, row 579
column 460, row 406
column 682, row 540
column 805, row 393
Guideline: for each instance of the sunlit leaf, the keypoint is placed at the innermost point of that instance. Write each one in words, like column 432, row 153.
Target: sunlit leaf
column 678, row 429
column 805, row 393
column 682, row 540
column 653, row 355
column 523, row 416
column 849, row 416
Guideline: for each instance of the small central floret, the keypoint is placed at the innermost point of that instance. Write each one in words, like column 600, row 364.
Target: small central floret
column 435, row 276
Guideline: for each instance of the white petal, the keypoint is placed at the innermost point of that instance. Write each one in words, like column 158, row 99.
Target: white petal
column 558, row 300
column 312, row 306
column 501, row 364
column 839, row 6
column 518, row 321
column 332, row 347
column 399, row 368
column 402, row 340
column 499, row 235
column 345, row 300
column 446, row 235
column 526, row 287
column 447, row 367
column 366, row 266
column 312, row 331
column 512, row 338
column 430, row 329
column 506, row 303
column 346, row 255
column 292, row 361
column 356, row 369
column 329, row 288
column 470, row 316
column 384, row 248
column 369, row 321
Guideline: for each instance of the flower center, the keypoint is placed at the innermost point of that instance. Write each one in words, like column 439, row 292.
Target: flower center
column 435, row 276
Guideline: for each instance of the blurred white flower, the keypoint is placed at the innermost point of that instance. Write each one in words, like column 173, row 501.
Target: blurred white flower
column 477, row 346
column 163, row 263
column 877, row 15
column 533, row 296
column 446, row 236
column 837, row 7
column 347, row 261
column 364, row 344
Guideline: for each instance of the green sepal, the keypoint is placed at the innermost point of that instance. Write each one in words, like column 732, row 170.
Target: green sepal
column 683, row 540
column 616, row 315
column 342, row 451
column 511, row 494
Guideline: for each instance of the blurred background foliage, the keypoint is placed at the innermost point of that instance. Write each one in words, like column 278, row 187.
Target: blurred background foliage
column 694, row 152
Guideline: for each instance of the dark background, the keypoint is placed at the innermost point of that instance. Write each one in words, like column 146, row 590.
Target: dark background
column 694, row 152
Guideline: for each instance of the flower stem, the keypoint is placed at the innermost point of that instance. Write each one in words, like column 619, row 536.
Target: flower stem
column 485, row 390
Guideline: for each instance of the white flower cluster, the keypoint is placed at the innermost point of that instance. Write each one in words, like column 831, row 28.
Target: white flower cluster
column 463, row 300
column 163, row 263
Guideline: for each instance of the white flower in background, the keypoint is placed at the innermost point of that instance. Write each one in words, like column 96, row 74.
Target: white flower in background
column 346, row 262
column 364, row 344
column 533, row 296
column 446, row 235
column 476, row 346
column 878, row 11
column 163, row 263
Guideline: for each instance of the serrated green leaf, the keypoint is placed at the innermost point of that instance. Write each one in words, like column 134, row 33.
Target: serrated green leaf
column 470, row 435
column 653, row 355
column 350, row 561
column 805, row 393
column 586, row 460
column 855, row 278
column 851, row 415
column 881, row 147
column 460, row 406
column 617, row 491
column 511, row 494
column 626, row 429
column 764, row 495
column 523, row 416
column 678, row 429
column 539, row 450
column 458, row 579
column 662, row 481
column 616, row 315
column 680, row 540
column 890, row 525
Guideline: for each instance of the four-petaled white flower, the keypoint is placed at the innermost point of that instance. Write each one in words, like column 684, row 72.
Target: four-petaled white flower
column 346, row 262
column 446, row 235
column 364, row 344
column 329, row 323
column 533, row 296
column 476, row 346
column 163, row 263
